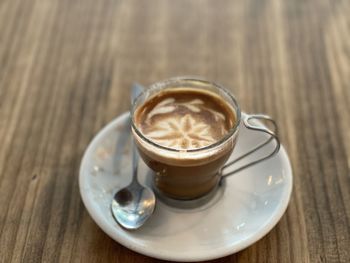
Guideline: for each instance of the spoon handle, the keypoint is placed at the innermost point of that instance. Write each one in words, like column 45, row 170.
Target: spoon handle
column 135, row 161
column 136, row 90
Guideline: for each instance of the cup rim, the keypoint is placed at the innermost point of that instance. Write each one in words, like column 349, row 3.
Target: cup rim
column 165, row 83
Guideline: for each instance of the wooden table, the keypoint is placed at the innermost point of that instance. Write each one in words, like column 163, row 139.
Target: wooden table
column 65, row 71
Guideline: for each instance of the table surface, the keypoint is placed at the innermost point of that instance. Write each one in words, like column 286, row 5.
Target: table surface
column 65, row 72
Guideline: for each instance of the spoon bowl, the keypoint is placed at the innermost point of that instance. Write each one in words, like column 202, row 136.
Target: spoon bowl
column 133, row 205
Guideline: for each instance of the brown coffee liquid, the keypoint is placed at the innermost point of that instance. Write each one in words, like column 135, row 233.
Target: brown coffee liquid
column 185, row 119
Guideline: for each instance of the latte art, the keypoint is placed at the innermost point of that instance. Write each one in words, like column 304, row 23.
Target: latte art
column 183, row 132
column 184, row 120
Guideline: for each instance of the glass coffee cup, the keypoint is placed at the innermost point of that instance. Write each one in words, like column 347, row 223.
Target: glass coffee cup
column 192, row 168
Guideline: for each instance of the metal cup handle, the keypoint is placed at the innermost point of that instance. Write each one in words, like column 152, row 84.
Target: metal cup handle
column 273, row 137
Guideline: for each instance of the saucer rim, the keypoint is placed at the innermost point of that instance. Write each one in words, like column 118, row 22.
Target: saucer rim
column 120, row 236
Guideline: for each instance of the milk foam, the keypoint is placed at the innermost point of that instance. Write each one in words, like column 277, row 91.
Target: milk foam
column 184, row 124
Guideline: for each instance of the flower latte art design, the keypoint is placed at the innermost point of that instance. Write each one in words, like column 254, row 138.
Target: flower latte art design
column 184, row 120
column 184, row 132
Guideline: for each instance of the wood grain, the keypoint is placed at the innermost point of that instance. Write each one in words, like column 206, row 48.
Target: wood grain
column 65, row 71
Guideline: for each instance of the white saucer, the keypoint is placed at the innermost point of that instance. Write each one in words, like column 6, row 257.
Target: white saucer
column 243, row 210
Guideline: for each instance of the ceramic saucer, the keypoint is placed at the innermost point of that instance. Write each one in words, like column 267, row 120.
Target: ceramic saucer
column 242, row 210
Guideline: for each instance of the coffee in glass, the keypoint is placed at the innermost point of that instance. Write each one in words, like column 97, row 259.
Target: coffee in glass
column 185, row 130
